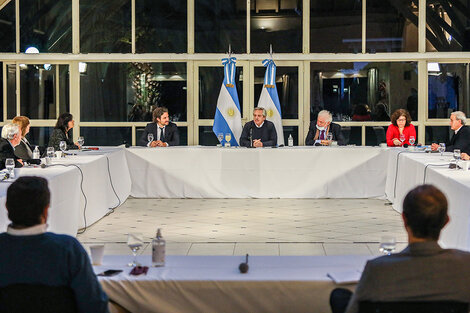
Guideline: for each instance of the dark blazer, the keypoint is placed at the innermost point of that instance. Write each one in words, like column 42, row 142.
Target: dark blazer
column 7, row 152
column 24, row 150
column 422, row 272
column 335, row 129
column 267, row 134
column 59, row 135
column 461, row 140
column 172, row 136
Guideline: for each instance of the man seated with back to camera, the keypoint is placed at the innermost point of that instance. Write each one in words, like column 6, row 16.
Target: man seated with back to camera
column 259, row 132
column 165, row 133
column 319, row 130
column 11, row 137
column 34, row 256
column 421, row 272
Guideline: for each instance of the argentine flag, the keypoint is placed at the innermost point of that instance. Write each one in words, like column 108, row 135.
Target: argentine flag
column 227, row 117
column 270, row 100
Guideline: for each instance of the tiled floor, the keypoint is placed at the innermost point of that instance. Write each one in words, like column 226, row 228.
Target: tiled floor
column 254, row 226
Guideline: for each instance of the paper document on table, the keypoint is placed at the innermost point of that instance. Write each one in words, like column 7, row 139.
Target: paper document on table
column 345, row 277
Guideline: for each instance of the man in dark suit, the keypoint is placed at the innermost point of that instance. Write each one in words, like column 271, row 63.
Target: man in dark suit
column 259, row 132
column 165, row 133
column 423, row 271
column 461, row 138
column 319, row 130
column 11, row 137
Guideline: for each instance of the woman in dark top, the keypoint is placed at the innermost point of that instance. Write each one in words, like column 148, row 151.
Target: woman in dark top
column 61, row 131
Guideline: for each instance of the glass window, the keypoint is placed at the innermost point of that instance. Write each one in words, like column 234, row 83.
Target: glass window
column 161, row 26
column 64, row 90
column 38, row 91
column 392, row 26
column 287, row 84
column 210, row 81
column 336, row 26
column 105, row 26
column 276, row 22
column 11, row 91
column 437, row 134
column 448, row 26
column 1, row 91
column 120, row 92
column 182, row 130
column 7, row 28
column 363, row 91
column 219, row 24
column 106, row 136
column 448, row 89
column 46, row 25
column 207, row 136
column 39, row 136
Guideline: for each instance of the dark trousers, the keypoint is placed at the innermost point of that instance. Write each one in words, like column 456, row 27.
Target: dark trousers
column 339, row 299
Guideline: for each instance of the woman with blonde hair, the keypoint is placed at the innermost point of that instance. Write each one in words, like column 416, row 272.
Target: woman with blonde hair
column 24, row 150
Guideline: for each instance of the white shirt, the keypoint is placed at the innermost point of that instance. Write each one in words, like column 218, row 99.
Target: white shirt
column 259, row 125
column 29, row 231
column 456, row 131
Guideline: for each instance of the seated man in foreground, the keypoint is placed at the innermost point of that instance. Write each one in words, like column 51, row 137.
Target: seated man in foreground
column 423, row 271
column 33, row 256
column 319, row 130
column 259, row 132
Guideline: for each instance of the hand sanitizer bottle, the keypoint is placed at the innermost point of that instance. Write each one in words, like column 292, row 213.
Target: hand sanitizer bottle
column 158, row 250
column 290, row 141
column 36, row 153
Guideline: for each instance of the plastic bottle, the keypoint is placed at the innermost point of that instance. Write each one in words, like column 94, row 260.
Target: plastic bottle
column 158, row 249
column 36, row 154
column 290, row 141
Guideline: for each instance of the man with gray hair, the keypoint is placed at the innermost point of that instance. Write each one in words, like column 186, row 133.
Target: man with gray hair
column 11, row 137
column 259, row 132
column 319, row 130
column 461, row 138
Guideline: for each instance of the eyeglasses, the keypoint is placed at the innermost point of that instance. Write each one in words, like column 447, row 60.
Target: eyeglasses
column 401, row 120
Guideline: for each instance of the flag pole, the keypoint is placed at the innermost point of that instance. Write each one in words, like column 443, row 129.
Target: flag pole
column 271, row 51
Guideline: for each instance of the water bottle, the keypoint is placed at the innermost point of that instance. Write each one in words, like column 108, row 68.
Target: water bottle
column 158, row 250
column 290, row 141
column 36, row 154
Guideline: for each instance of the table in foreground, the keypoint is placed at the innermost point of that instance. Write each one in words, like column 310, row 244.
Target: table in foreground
column 214, row 284
column 288, row 172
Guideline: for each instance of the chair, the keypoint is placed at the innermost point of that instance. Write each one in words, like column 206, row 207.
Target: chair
column 413, row 307
column 20, row 298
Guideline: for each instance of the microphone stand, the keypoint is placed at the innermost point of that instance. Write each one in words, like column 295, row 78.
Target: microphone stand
column 251, row 137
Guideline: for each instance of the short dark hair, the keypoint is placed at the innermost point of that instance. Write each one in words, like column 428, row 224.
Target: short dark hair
column 425, row 210
column 400, row 112
column 63, row 121
column 27, row 198
column 158, row 112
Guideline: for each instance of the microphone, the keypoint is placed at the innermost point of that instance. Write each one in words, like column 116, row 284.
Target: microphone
column 243, row 267
column 251, row 137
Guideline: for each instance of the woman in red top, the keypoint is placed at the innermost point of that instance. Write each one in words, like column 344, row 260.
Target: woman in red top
column 401, row 125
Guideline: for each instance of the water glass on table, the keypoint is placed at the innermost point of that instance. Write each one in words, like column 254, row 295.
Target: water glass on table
column 81, row 141
column 135, row 241
column 411, row 140
column 50, row 152
column 63, row 147
column 220, row 137
column 228, row 138
column 457, row 157
column 402, row 139
column 387, row 245
column 441, row 148
column 10, row 166
column 150, row 137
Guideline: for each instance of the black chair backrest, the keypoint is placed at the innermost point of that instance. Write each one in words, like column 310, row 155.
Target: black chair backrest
column 413, row 307
column 20, row 298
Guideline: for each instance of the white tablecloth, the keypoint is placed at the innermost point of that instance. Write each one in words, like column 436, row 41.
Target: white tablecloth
column 298, row 172
column 66, row 213
column 214, row 284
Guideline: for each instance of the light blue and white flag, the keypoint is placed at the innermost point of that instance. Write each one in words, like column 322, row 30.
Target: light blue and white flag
column 227, row 117
column 269, row 99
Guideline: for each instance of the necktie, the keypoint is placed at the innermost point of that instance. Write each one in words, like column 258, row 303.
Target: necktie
column 322, row 135
column 162, row 134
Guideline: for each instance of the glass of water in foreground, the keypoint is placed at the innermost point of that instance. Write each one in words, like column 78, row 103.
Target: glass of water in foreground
column 81, row 141
column 50, row 152
column 10, row 166
column 135, row 241
column 220, row 137
column 387, row 245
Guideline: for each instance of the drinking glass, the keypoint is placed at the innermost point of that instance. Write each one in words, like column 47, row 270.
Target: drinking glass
column 412, row 140
column 457, row 157
column 10, row 166
column 329, row 137
column 228, row 137
column 220, row 136
column 387, row 245
column 441, row 148
column 402, row 138
column 150, row 137
column 50, row 152
column 81, row 141
column 134, row 242
column 63, row 147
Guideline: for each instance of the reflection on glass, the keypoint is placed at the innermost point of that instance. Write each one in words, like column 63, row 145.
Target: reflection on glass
column 276, row 22
column 287, row 84
column 219, row 24
column 161, row 26
column 11, row 91
column 392, row 26
column 335, row 26
column 38, row 91
column 182, row 130
column 106, row 136
column 210, row 81
column 105, row 26
column 437, row 134
column 46, row 25
column 448, row 86
column 7, row 28
column 39, row 136
column 363, row 91
column 447, row 26
column 64, row 91
column 121, row 92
